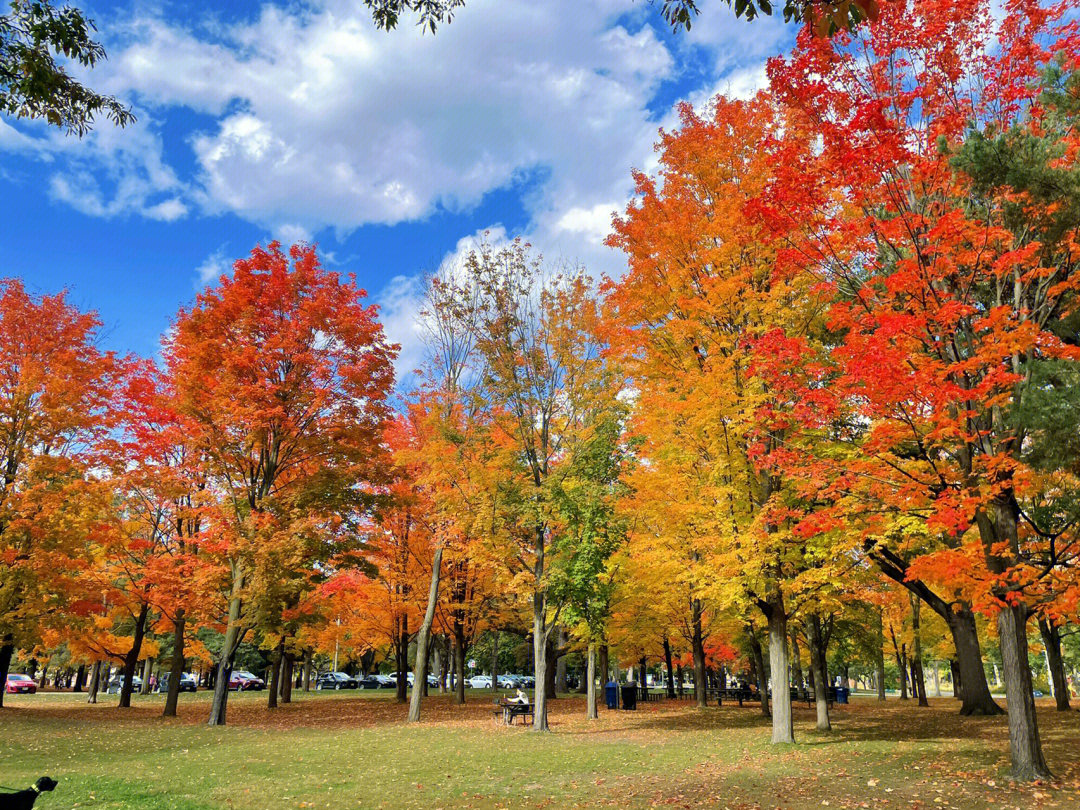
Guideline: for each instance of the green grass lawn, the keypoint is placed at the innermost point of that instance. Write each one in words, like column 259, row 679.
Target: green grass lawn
column 353, row 750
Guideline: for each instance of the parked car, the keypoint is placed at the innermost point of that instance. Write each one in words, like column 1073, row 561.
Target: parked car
column 19, row 684
column 385, row 681
column 509, row 682
column 527, row 681
column 187, row 683
column 480, row 681
column 118, row 681
column 369, row 682
column 409, row 678
column 244, row 681
column 335, row 680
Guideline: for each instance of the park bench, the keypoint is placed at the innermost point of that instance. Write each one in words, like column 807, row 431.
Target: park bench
column 507, row 711
column 737, row 694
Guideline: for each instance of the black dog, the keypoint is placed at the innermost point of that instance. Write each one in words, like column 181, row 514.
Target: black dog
column 24, row 799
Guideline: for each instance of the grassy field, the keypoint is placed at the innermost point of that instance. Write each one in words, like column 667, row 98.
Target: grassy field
column 352, row 750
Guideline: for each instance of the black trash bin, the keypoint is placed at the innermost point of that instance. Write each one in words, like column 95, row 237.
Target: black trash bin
column 629, row 696
column 842, row 693
column 611, row 694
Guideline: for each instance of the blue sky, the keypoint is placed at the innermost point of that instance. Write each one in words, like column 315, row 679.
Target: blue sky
column 391, row 151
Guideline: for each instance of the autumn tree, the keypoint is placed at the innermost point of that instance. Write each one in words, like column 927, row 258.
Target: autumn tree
column 282, row 374
column 447, row 429
column 56, row 405
column 588, row 532
column 544, row 384
column 937, row 208
column 703, row 288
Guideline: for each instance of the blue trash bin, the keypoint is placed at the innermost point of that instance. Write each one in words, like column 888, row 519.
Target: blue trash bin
column 611, row 694
column 842, row 693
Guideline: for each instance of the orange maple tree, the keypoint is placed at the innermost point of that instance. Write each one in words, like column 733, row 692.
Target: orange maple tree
column 57, row 404
column 936, row 209
column 281, row 373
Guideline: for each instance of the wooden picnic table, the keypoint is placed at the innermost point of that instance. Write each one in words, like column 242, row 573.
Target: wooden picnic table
column 508, row 710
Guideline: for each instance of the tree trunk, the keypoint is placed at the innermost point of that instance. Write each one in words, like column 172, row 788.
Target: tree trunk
column 918, row 678
column 1052, row 641
column 698, row 645
column 423, row 638
column 424, row 685
column 275, row 676
column 459, row 663
column 604, row 665
column 918, row 681
column 307, row 670
column 233, row 635
column 132, row 658
column 670, row 670
column 1024, row 744
column 148, row 671
column 285, row 693
column 550, row 667
column 495, row 663
column 796, row 662
column 758, row 660
column 590, row 677
column 7, row 651
column 403, row 659
column 436, row 664
column 783, row 730
column 821, row 677
column 540, row 638
column 954, row 674
column 176, row 668
column 95, row 683
column 445, row 657
column 560, row 661
column 80, row 678
column 451, row 662
column 961, row 621
column 974, row 689
column 879, row 657
column 901, row 663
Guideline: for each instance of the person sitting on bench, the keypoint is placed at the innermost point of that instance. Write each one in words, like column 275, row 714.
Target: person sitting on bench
column 520, row 699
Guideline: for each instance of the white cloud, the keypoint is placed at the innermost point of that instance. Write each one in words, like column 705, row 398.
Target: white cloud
column 216, row 265
column 113, row 172
column 314, row 120
column 289, row 233
column 400, row 303
column 323, row 121
column 167, row 210
column 593, row 223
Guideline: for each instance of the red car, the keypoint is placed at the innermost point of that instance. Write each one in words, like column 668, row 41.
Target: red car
column 19, row 684
column 243, row 681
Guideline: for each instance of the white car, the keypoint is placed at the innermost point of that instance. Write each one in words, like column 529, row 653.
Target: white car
column 409, row 677
column 480, row 681
column 118, row 681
